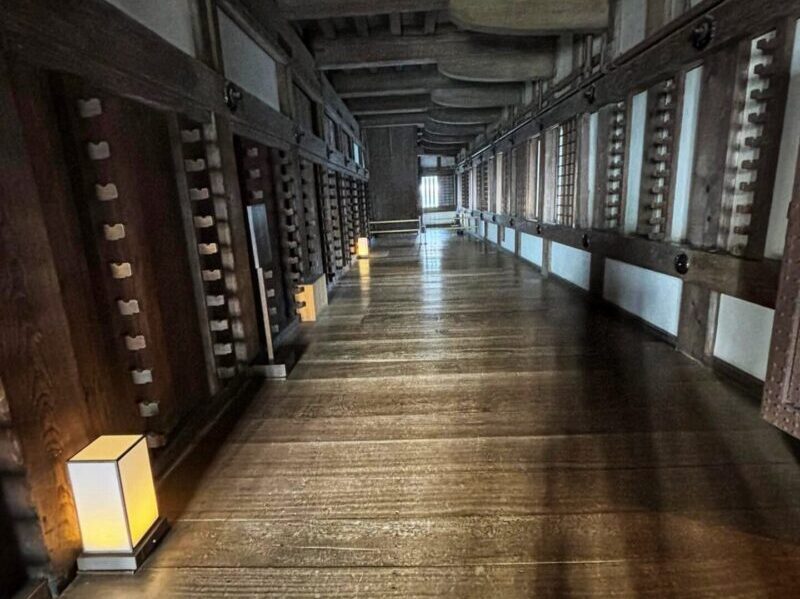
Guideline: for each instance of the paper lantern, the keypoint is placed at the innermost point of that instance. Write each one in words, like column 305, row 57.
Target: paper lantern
column 116, row 502
column 363, row 247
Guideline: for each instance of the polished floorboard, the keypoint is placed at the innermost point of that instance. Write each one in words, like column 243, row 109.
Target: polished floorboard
column 457, row 426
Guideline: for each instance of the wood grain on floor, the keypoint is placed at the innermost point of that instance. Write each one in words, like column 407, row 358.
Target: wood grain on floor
column 458, row 426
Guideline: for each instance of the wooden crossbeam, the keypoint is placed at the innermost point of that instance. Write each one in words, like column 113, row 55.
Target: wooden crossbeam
column 468, row 56
column 455, row 116
column 390, row 104
column 516, row 17
column 318, row 9
column 375, row 121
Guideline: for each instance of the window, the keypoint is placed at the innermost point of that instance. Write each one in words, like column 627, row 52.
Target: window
column 566, row 172
column 534, row 179
column 429, row 191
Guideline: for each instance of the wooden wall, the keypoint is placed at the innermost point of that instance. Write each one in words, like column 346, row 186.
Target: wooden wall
column 125, row 259
column 393, row 173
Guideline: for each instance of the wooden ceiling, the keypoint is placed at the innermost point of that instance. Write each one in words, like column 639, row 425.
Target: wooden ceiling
column 448, row 67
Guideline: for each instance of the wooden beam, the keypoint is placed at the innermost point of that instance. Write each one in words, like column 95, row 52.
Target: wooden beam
column 445, row 140
column 395, row 24
column 431, row 18
column 750, row 280
column 355, row 84
column 390, row 104
column 296, row 10
column 328, row 29
column 442, row 129
column 525, row 17
column 444, row 150
column 393, row 120
column 362, row 26
column 478, row 96
column 455, row 116
column 459, row 94
column 491, row 58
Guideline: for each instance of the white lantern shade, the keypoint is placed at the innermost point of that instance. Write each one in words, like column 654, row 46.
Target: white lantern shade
column 114, row 493
column 363, row 247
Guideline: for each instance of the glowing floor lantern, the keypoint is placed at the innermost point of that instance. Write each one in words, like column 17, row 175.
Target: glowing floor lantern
column 363, row 247
column 116, row 502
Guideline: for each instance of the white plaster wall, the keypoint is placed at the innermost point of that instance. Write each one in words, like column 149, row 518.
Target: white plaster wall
column 509, row 239
column 637, row 126
column 686, row 147
column 491, row 232
column 787, row 160
column 171, row 19
column 246, row 63
column 531, row 248
column 744, row 331
column 630, row 23
column 571, row 264
column 592, row 167
column 652, row 296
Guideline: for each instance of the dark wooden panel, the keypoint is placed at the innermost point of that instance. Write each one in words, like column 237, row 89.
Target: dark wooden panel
column 393, row 168
column 37, row 363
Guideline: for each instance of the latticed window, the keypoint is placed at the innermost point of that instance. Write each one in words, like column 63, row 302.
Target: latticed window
column 483, row 182
column 566, row 172
column 519, row 175
column 506, row 184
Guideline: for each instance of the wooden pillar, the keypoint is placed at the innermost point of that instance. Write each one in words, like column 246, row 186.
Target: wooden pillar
column 781, row 401
column 714, row 120
column 38, row 366
column 698, row 321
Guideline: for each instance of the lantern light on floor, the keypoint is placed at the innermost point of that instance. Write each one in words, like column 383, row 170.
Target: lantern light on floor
column 116, row 503
column 363, row 247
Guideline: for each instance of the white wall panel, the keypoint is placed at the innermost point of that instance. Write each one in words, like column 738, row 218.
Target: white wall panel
column 531, row 248
column 637, row 128
column 686, row 146
column 744, row 331
column 652, row 296
column 171, row 19
column 246, row 63
column 491, row 232
column 571, row 264
column 509, row 239
column 592, row 166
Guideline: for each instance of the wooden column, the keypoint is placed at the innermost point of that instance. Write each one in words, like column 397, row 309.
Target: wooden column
column 781, row 401
column 38, row 365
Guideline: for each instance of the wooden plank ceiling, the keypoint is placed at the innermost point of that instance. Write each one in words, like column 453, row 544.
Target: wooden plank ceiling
column 447, row 67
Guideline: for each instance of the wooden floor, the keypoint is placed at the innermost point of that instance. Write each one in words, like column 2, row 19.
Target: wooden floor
column 460, row 427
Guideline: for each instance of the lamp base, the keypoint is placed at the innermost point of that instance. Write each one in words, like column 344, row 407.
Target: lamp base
column 129, row 562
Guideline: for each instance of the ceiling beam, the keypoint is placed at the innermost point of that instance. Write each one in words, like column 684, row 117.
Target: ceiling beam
column 435, row 128
column 492, row 58
column 478, row 96
column 328, row 29
column 473, row 116
column 526, row 17
column 296, row 10
column 361, row 84
column 390, row 104
column 431, row 18
column 375, row 121
column 362, row 26
column 395, row 24
column 445, row 141
column 445, row 150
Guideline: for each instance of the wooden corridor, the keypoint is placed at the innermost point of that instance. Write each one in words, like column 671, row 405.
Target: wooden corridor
column 458, row 426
